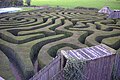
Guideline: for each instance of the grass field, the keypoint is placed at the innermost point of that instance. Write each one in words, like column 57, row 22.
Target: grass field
column 113, row 4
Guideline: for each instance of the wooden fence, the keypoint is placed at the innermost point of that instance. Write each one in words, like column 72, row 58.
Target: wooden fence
column 59, row 76
column 49, row 71
column 98, row 66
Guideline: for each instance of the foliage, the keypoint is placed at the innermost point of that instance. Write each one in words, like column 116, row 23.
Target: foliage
column 74, row 69
column 28, row 2
column 8, row 3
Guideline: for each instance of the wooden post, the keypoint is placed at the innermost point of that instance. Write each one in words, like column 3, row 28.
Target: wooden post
column 116, row 69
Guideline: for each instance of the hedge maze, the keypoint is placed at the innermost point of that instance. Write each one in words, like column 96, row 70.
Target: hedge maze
column 30, row 40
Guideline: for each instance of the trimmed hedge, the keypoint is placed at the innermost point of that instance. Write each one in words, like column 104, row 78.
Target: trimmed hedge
column 5, row 69
column 80, row 25
column 14, row 59
column 112, row 42
column 105, row 22
column 49, row 22
column 97, row 37
column 100, row 26
column 20, row 39
column 53, row 50
column 38, row 45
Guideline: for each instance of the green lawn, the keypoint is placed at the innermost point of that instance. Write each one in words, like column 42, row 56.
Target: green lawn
column 113, row 4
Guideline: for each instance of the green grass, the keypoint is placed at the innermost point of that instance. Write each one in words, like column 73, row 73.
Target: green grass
column 26, row 9
column 113, row 4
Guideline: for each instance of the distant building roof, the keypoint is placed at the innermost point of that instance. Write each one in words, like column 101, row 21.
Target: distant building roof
column 114, row 14
column 89, row 53
column 1, row 78
column 105, row 10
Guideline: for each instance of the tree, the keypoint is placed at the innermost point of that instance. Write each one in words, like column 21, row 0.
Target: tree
column 28, row 2
column 19, row 2
column 8, row 3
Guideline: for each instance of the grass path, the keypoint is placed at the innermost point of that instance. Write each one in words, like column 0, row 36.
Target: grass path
column 113, row 4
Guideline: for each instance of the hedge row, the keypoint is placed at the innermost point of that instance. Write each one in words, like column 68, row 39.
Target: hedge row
column 5, row 69
column 98, row 36
column 15, row 60
column 36, row 28
column 112, row 42
column 39, row 43
column 20, row 39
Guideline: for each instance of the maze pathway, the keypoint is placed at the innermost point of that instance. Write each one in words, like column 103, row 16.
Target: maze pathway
column 30, row 40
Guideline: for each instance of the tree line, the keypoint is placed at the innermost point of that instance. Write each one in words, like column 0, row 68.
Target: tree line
column 8, row 3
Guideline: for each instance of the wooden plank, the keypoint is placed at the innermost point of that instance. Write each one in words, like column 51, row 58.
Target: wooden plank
column 89, row 53
column 48, row 71
column 99, row 69
column 116, row 71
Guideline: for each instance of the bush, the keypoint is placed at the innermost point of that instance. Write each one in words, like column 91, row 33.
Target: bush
column 74, row 70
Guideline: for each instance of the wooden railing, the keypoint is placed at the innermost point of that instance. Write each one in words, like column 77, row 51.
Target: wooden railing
column 49, row 71
column 58, row 76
